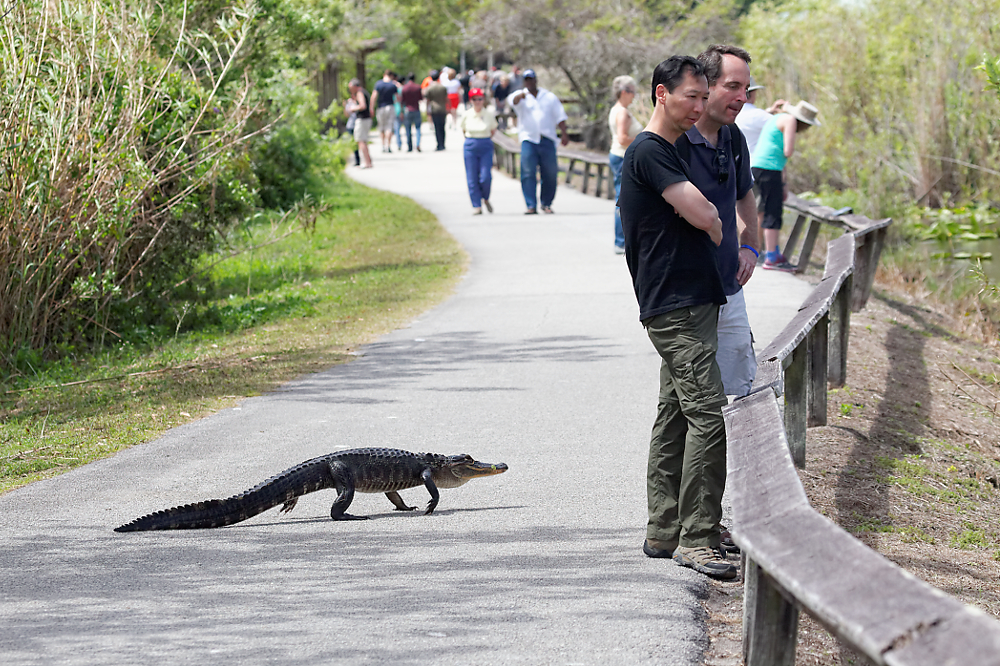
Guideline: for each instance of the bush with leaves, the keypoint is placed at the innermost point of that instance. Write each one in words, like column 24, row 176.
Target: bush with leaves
column 134, row 137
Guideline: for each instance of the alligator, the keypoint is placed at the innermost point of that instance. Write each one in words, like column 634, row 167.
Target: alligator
column 371, row 470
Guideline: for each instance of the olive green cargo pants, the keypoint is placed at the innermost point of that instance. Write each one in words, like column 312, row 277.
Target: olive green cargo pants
column 686, row 475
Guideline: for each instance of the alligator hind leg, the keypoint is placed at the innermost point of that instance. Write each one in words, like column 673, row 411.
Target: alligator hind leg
column 432, row 489
column 398, row 502
column 344, row 483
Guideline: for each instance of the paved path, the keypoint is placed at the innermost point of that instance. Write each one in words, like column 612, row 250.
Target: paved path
column 537, row 361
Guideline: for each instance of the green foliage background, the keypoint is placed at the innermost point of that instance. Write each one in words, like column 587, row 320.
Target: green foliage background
column 905, row 116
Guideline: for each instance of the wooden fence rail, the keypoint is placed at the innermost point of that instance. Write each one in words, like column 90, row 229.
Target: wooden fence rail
column 584, row 164
column 794, row 558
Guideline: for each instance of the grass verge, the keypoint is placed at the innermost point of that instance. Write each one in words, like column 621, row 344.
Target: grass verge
column 373, row 262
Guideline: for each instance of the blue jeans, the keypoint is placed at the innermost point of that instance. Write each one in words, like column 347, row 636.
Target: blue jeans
column 397, row 128
column 478, row 166
column 412, row 118
column 541, row 157
column 616, row 171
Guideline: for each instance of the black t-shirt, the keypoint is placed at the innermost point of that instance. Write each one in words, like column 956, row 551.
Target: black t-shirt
column 367, row 111
column 723, row 191
column 386, row 93
column 673, row 264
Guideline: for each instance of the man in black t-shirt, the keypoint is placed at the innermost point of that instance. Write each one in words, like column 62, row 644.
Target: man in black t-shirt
column 671, row 235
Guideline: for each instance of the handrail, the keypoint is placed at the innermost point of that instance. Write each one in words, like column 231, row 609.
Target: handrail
column 795, row 558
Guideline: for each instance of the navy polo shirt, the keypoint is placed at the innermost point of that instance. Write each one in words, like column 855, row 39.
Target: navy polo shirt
column 705, row 170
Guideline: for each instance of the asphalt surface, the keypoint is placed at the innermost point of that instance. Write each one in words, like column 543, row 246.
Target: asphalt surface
column 538, row 361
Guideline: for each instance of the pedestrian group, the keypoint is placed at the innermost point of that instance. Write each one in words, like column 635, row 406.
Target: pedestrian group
column 696, row 186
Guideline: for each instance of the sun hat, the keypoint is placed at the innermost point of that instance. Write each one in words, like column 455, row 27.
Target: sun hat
column 475, row 92
column 753, row 85
column 528, row 74
column 803, row 111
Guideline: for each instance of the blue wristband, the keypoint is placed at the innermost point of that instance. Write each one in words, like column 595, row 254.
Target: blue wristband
column 755, row 252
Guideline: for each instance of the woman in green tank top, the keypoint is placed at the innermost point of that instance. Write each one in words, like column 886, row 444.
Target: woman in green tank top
column 775, row 146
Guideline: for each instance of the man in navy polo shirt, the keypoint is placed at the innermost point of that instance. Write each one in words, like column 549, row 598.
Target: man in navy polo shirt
column 719, row 160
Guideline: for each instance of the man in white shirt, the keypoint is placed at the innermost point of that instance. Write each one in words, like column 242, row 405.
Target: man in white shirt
column 751, row 120
column 539, row 115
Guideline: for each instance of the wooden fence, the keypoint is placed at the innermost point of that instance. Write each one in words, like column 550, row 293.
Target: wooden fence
column 794, row 558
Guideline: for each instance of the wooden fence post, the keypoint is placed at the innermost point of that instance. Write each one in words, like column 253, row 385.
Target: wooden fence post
column 802, row 263
column 770, row 623
column 796, row 398
column 840, row 332
column 866, row 259
column 793, row 236
column 819, row 349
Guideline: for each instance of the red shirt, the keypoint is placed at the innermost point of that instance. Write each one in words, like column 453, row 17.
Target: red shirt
column 411, row 96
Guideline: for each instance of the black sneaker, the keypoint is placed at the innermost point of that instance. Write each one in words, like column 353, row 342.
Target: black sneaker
column 706, row 561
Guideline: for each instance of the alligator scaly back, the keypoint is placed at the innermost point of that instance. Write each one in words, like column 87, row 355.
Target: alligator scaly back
column 372, row 470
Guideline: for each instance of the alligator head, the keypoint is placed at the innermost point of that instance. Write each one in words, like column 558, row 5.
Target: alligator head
column 453, row 471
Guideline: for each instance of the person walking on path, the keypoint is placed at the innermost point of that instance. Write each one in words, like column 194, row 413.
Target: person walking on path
column 719, row 162
column 671, row 235
column 752, row 119
column 454, row 86
column 383, row 99
column 624, row 128
column 501, row 88
column 478, row 125
column 437, row 106
column 360, row 104
column 539, row 114
column 775, row 146
column 410, row 97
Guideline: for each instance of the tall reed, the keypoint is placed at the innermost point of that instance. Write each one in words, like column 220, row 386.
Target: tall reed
column 110, row 152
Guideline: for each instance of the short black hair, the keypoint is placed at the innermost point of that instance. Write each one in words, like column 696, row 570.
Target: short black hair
column 671, row 72
column 435, row 75
column 711, row 58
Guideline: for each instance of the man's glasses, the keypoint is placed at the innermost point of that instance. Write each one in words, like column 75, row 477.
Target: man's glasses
column 721, row 164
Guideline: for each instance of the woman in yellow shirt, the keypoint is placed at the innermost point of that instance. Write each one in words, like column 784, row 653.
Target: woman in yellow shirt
column 478, row 125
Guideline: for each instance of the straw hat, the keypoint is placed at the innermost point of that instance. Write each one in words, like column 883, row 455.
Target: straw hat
column 803, row 111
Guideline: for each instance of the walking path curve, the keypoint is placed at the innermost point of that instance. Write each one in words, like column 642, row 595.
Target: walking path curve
column 537, row 361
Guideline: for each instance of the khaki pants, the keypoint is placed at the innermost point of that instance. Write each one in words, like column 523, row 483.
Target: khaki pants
column 686, row 474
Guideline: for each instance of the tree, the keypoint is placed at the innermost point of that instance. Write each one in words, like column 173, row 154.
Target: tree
column 590, row 42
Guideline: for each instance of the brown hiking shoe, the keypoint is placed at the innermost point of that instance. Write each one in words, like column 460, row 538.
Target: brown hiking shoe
column 706, row 561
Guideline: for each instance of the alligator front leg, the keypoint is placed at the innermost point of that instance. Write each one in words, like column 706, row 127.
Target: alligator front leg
column 398, row 502
column 428, row 478
column 343, row 481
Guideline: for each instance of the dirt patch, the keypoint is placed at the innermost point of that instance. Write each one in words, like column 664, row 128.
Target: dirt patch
column 909, row 463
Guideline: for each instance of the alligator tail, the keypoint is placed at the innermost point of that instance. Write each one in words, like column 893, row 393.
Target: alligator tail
column 305, row 478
